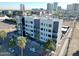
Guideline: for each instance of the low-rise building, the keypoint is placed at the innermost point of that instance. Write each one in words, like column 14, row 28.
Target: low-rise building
column 40, row 28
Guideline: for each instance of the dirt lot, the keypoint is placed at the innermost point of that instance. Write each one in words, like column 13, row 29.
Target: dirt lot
column 7, row 27
column 73, row 49
column 74, row 44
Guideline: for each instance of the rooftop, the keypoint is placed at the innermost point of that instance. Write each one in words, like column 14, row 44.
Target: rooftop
column 42, row 17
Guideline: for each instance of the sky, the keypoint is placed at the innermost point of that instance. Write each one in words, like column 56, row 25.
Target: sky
column 35, row 4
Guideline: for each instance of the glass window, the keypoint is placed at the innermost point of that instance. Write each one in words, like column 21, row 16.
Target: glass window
column 41, row 38
column 54, row 36
column 49, row 35
column 31, row 22
column 44, row 24
column 41, row 23
column 26, row 25
column 55, row 27
column 31, row 34
column 49, row 30
column 50, row 25
column 41, row 33
column 41, row 28
column 31, row 27
column 44, row 29
column 46, row 34
column 31, row 30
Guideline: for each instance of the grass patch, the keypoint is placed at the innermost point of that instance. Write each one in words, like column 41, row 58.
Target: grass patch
column 1, row 23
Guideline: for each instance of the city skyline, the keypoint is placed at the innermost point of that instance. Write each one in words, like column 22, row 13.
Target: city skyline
column 30, row 5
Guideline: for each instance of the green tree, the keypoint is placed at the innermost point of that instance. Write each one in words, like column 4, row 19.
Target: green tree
column 3, row 35
column 22, row 43
column 59, row 14
column 12, row 43
column 49, row 45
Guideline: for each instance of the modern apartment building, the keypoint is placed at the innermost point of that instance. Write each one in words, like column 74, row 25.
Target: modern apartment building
column 40, row 28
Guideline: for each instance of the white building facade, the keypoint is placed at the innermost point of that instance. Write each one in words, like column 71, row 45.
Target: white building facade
column 41, row 28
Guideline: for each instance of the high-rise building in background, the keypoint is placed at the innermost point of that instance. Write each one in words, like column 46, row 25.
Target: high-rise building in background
column 22, row 7
column 72, row 10
column 73, row 7
column 55, row 6
column 51, row 7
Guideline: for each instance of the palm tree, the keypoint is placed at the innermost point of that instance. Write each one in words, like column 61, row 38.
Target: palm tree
column 3, row 35
column 22, row 43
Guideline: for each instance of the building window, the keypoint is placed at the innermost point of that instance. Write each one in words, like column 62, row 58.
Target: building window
column 44, row 29
column 50, row 25
column 49, row 35
column 46, row 24
column 31, row 27
column 54, row 36
column 41, row 38
column 41, row 28
column 31, row 30
column 55, row 27
column 41, row 33
column 31, row 22
column 46, row 34
column 49, row 30
column 26, row 25
column 41, row 23
column 31, row 34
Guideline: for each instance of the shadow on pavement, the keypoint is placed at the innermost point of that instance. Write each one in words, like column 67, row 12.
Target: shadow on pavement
column 8, row 22
column 76, row 53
